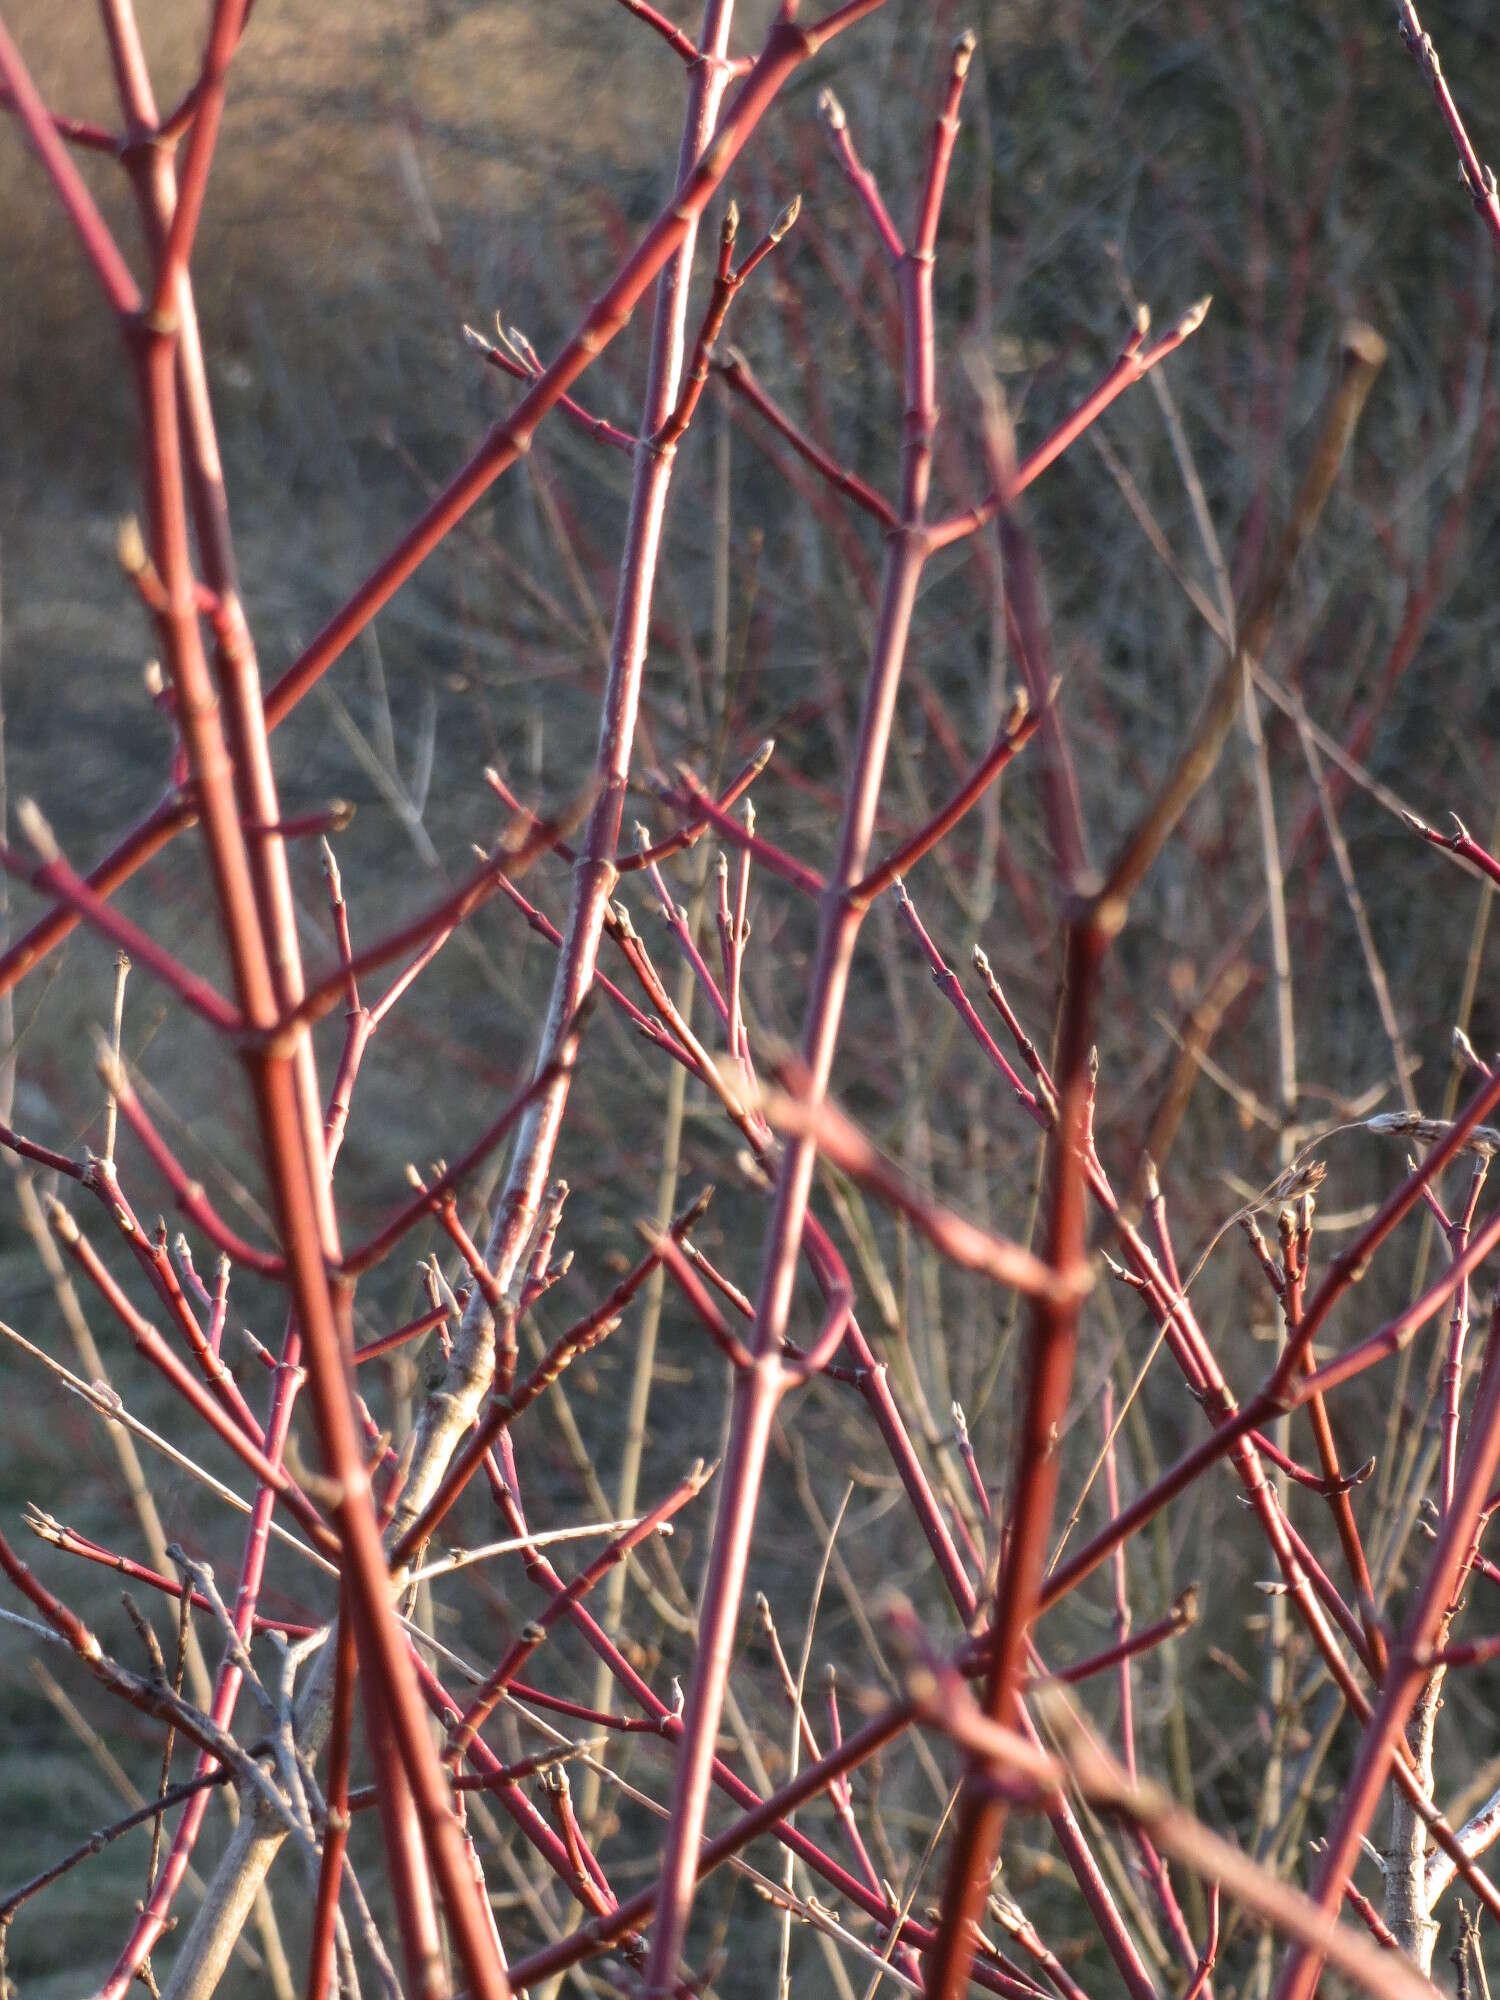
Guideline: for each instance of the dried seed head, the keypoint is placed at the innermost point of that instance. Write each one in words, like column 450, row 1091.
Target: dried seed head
column 1304, row 1177
column 1483, row 1140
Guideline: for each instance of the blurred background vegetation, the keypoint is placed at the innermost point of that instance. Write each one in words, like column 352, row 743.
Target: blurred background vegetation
column 388, row 172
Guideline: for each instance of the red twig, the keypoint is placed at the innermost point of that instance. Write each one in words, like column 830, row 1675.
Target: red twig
column 787, row 47
column 430, row 1200
column 159, row 827
column 859, row 176
column 693, row 798
column 320, row 1964
column 737, row 372
column 99, row 245
column 759, row 1388
column 506, row 1406
column 187, row 1192
column 52, row 872
column 1135, row 360
column 77, row 131
column 727, row 281
column 599, row 428
column 192, row 178
column 1460, row 843
column 1478, row 178
column 961, row 1241
column 535, row 1631
column 1019, row 728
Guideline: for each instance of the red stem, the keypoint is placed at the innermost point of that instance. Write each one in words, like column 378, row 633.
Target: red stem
column 1477, row 178
column 188, row 1193
column 155, row 831
column 758, row 1390
column 365, row 1255
column 55, row 875
column 320, row 1966
column 1127, row 370
column 787, row 47
column 77, row 131
column 1016, row 735
column 99, row 245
